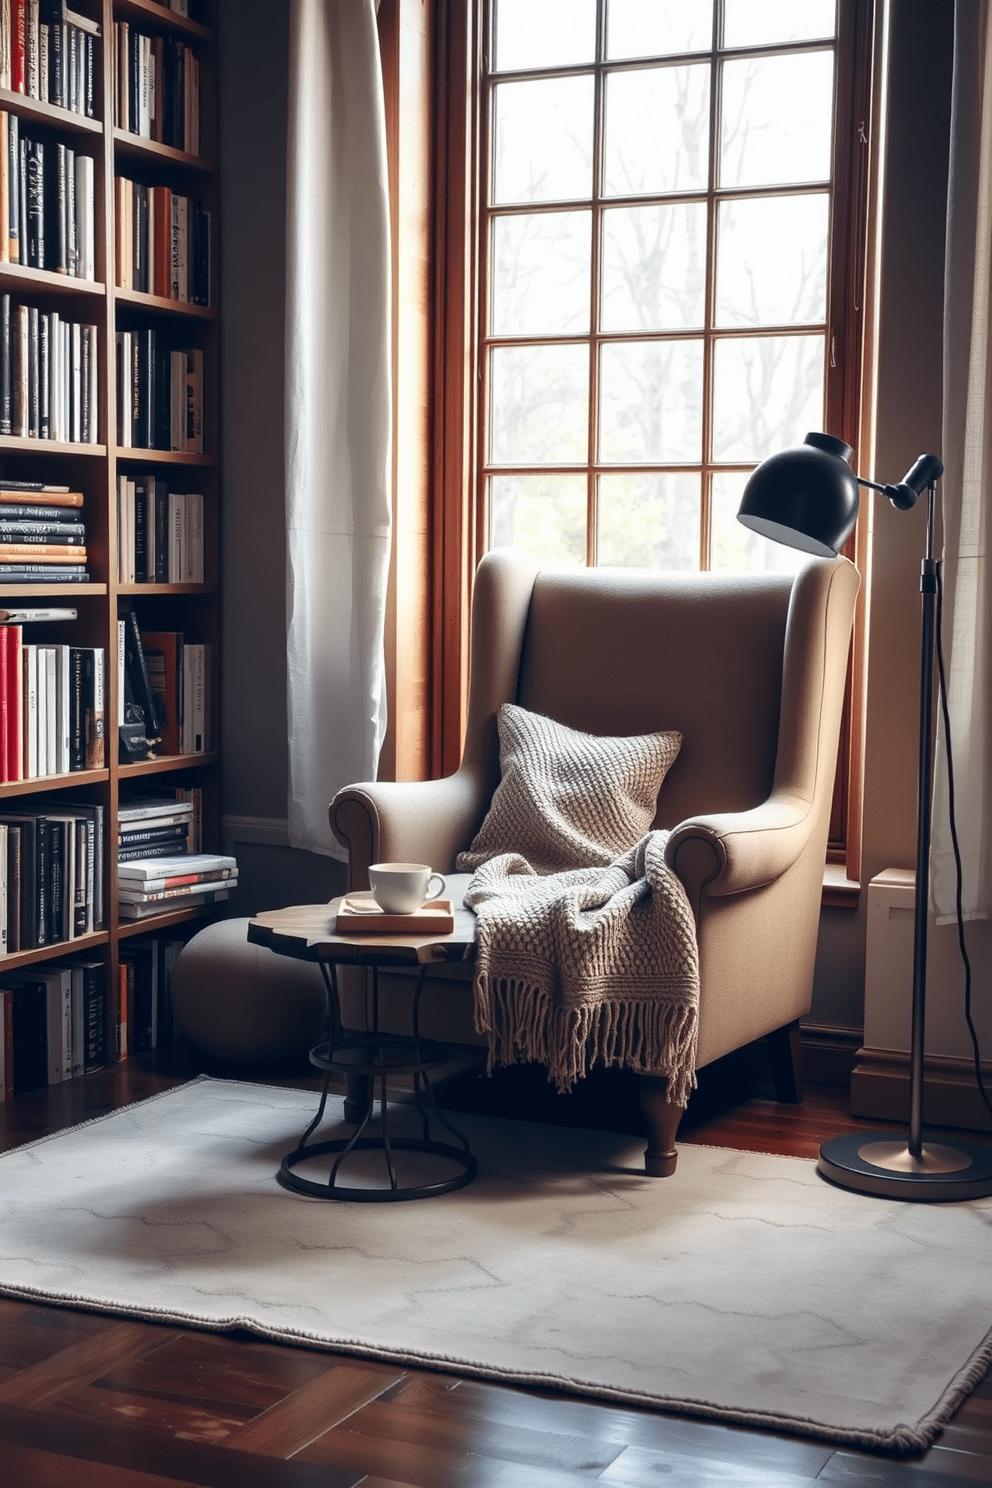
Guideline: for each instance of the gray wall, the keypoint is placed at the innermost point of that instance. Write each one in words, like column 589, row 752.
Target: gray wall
column 254, row 47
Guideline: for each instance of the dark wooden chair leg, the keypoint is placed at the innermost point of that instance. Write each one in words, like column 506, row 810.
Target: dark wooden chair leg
column 662, row 1117
column 785, row 1051
column 358, row 1095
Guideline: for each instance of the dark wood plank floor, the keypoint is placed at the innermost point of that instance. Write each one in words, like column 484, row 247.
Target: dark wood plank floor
column 95, row 1402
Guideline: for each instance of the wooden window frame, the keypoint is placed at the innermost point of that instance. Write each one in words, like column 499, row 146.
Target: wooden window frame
column 458, row 402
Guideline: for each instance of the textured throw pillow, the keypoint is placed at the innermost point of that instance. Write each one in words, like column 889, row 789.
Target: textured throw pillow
column 568, row 799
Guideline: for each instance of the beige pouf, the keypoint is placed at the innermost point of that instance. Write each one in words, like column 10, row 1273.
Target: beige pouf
column 243, row 1002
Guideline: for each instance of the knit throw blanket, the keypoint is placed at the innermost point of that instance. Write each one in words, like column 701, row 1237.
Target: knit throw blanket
column 592, row 964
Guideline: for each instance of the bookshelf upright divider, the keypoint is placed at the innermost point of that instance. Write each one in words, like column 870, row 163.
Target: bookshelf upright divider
column 151, row 513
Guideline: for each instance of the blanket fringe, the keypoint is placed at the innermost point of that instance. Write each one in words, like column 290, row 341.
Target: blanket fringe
column 525, row 1025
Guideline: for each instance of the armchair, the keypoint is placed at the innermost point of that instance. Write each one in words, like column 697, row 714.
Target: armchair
column 751, row 670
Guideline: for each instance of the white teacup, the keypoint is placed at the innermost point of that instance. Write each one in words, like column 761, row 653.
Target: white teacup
column 401, row 888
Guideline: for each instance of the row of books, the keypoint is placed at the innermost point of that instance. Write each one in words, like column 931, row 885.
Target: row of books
column 48, row 375
column 60, row 1020
column 52, row 708
column 159, row 394
column 159, row 532
column 53, row 1024
column 156, row 884
column 49, row 52
column 41, row 532
column 164, row 692
column 47, row 203
column 163, row 242
column 157, row 88
column 51, row 872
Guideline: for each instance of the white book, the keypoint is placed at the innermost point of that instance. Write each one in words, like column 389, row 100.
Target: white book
column 66, row 330
column 31, row 49
column 41, row 709
column 76, row 389
column 78, row 1046
column 43, row 62
column 125, row 403
column 29, row 660
column 5, row 45
column 177, row 554
column 194, row 538
column 130, row 524
column 62, row 707
column 58, row 981
column 121, row 652
column 153, row 809
column 93, row 402
column 179, row 883
column 85, row 216
column 146, row 868
column 55, row 374
column 51, row 710
column 180, row 209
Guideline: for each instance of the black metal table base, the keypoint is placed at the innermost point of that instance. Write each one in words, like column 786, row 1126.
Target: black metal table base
column 377, row 1056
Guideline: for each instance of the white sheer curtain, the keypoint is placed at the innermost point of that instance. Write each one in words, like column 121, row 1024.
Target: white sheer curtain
column 967, row 455
column 338, row 399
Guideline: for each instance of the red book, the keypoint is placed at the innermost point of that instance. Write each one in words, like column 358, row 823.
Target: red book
column 15, row 703
column 18, row 45
column 5, row 720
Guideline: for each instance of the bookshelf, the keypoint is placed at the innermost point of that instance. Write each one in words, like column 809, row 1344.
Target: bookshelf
column 96, row 468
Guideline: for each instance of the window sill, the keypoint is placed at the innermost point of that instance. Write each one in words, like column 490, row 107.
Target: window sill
column 839, row 891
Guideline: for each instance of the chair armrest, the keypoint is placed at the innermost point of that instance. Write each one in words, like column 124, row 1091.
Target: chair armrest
column 732, row 851
column 420, row 821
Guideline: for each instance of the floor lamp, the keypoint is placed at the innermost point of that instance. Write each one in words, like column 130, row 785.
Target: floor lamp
column 807, row 498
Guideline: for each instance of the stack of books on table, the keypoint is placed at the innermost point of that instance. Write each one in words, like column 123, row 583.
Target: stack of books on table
column 150, row 886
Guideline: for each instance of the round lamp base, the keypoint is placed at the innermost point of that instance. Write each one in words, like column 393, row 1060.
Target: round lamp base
column 880, row 1163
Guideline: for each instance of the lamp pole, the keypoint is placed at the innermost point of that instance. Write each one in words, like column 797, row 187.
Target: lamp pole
column 807, row 497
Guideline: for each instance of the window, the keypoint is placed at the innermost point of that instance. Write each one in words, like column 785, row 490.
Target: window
column 657, row 279
column 650, row 272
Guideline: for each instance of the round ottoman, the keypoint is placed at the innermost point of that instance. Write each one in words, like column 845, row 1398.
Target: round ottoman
column 243, row 1002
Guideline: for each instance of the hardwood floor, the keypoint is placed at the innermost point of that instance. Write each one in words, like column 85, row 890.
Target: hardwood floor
column 87, row 1400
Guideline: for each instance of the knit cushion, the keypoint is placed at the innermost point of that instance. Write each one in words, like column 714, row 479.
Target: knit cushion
column 568, row 799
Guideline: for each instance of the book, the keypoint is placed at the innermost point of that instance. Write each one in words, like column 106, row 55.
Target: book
column 30, row 1034
column 151, row 886
column 165, row 867
column 6, row 1045
column 176, row 895
column 128, row 911
column 149, row 808
column 164, row 655
column 136, row 672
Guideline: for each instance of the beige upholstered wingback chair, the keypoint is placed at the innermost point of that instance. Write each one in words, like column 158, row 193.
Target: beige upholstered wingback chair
column 751, row 671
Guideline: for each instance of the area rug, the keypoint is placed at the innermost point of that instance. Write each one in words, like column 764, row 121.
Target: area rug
column 744, row 1289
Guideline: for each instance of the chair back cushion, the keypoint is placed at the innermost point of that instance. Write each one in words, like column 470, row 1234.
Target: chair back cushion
column 614, row 651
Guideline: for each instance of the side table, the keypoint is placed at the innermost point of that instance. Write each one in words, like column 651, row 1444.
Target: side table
column 308, row 932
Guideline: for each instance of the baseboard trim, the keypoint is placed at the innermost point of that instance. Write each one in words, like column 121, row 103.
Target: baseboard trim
column 829, row 1052
column 265, row 831
column 880, row 1089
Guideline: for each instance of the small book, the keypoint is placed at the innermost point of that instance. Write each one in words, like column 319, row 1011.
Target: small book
column 183, row 863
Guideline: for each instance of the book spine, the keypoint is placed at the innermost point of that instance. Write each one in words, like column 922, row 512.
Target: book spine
column 95, row 708
column 6, row 390
column 30, row 654
column 36, row 203
column 77, row 726
column 15, row 700
column 13, row 189
column 4, row 172
column 5, row 774
column 44, row 379
column 33, row 404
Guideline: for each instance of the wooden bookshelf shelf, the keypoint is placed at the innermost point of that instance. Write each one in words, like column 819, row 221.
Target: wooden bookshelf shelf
column 166, row 763
column 135, row 145
column 160, row 18
column 21, row 280
column 163, row 457
column 49, row 114
column 74, row 779
column 158, row 305
column 184, row 616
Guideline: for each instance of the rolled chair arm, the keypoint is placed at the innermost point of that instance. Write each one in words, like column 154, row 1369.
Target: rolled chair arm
column 732, row 851
column 403, row 821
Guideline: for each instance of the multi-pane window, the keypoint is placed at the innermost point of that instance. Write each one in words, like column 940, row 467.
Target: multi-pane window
column 659, row 203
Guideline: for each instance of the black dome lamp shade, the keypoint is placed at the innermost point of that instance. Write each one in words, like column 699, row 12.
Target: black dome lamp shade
column 805, row 497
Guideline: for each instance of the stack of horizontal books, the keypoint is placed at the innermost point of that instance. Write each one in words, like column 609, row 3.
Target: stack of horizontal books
column 153, row 827
column 42, row 534
column 150, row 886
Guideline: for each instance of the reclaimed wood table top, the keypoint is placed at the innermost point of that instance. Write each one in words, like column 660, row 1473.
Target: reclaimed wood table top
column 308, row 932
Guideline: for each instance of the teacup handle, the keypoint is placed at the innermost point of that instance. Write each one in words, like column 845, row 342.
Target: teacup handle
column 433, row 893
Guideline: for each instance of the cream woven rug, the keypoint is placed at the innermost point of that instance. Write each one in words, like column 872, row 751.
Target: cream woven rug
column 744, row 1289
